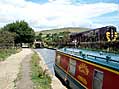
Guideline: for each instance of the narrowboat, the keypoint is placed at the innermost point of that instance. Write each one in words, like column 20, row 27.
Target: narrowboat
column 85, row 69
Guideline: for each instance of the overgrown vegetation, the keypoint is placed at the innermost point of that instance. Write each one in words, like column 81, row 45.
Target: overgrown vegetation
column 40, row 79
column 6, row 39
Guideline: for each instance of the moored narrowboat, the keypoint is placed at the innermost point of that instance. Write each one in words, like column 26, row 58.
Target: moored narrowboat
column 84, row 69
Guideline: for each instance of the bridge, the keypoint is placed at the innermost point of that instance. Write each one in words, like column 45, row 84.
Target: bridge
column 38, row 44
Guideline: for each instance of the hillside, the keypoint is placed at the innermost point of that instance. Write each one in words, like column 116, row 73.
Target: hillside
column 70, row 29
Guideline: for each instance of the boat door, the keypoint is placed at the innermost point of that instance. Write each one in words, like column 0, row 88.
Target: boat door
column 97, row 79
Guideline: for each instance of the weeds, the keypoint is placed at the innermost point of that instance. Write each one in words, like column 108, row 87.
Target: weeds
column 39, row 78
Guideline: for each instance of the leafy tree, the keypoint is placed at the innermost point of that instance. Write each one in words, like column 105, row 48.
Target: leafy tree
column 6, row 39
column 24, row 34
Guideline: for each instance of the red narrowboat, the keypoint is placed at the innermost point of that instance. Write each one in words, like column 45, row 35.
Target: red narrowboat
column 84, row 69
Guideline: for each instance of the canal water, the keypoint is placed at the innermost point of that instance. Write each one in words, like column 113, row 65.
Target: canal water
column 48, row 56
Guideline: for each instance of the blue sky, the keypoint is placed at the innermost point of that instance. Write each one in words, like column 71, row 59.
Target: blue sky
column 79, row 1
column 39, row 1
column 49, row 14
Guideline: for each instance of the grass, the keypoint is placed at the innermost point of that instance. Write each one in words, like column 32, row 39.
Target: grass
column 69, row 29
column 4, row 53
column 39, row 78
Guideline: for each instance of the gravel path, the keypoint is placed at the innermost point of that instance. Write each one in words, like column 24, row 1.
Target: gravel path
column 25, row 81
column 9, row 69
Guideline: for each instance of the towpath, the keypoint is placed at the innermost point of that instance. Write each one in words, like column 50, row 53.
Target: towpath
column 9, row 69
column 25, row 82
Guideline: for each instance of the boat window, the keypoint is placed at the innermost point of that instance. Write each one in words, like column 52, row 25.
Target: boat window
column 72, row 66
column 58, row 59
column 97, row 79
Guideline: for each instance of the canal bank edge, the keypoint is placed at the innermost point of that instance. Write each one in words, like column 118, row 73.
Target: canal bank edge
column 55, row 83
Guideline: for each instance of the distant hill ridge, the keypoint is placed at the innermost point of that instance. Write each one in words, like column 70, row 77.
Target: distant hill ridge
column 68, row 29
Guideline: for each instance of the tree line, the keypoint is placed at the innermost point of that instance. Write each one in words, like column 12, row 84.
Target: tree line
column 16, row 33
column 55, row 40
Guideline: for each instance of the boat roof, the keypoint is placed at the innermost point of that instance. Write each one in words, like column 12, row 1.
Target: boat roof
column 110, row 60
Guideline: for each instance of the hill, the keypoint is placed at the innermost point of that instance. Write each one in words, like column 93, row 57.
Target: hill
column 69, row 29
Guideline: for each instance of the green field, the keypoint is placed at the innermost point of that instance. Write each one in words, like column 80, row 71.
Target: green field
column 70, row 29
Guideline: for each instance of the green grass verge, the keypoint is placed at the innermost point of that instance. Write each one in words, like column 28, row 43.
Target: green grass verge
column 4, row 53
column 39, row 78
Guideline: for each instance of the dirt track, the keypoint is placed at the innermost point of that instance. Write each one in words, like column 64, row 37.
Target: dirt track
column 10, row 68
column 25, row 81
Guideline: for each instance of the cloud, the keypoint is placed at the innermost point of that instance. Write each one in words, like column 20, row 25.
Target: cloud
column 60, row 1
column 53, row 14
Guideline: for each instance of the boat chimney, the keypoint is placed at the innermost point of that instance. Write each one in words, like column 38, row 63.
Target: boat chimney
column 108, row 58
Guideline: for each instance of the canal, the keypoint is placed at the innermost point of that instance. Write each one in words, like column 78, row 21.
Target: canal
column 48, row 56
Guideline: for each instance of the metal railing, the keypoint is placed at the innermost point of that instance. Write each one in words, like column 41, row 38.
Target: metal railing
column 80, row 53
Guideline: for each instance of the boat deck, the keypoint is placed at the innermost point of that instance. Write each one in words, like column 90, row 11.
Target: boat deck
column 106, row 59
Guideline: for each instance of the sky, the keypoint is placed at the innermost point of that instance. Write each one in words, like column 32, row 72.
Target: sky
column 51, row 14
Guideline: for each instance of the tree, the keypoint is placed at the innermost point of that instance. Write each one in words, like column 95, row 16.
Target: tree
column 24, row 34
column 39, row 37
column 58, row 39
column 6, row 39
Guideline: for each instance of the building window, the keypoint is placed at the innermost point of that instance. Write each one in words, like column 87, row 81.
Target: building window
column 98, row 79
column 72, row 66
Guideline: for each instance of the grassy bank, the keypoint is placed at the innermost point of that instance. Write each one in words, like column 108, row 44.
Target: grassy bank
column 39, row 78
column 4, row 53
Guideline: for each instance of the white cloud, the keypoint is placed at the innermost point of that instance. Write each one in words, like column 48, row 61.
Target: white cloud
column 60, row 1
column 55, row 13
